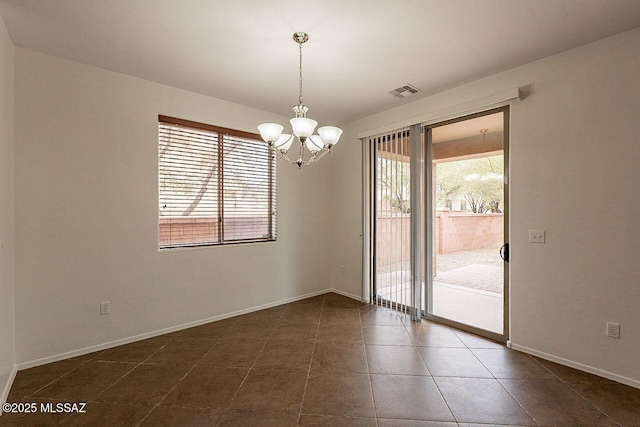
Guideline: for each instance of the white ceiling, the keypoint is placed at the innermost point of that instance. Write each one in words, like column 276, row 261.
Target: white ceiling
column 471, row 127
column 242, row 51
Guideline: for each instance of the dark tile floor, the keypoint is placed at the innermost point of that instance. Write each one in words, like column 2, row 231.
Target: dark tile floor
column 323, row 361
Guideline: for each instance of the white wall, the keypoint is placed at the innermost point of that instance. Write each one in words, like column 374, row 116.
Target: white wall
column 575, row 156
column 86, row 214
column 7, row 315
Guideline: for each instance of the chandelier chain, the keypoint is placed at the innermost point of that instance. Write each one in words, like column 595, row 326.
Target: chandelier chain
column 300, row 93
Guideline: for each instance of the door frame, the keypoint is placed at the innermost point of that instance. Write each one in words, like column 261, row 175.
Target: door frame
column 428, row 226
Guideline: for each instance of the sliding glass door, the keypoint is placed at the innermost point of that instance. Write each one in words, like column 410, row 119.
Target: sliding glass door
column 437, row 220
column 467, row 223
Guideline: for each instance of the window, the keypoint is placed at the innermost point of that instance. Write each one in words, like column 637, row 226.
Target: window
column 216, row 185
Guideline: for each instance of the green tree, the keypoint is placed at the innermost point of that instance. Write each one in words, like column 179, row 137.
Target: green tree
column 478, row 181
column 394, row 180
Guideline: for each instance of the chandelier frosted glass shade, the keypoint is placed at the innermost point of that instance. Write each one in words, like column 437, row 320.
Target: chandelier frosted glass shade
column 330, row 134
column 314, row 144
column 303, row 127
column 284, row 142
column 270, row 131
column 309, row 147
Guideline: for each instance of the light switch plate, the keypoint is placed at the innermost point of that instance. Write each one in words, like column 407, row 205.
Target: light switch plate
column 537, row 236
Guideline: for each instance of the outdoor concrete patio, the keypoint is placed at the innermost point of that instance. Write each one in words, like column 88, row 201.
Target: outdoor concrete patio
column 470, row 291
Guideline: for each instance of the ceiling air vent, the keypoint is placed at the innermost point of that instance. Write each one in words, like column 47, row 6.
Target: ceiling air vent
column 404, row 91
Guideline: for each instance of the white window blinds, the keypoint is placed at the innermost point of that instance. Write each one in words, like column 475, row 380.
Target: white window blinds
column 216, row 185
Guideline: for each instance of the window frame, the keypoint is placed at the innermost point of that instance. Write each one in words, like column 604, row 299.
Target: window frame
column 222, row 132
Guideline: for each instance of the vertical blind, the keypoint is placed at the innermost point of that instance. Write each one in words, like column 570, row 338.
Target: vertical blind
column 391, row 185
column 216, row 185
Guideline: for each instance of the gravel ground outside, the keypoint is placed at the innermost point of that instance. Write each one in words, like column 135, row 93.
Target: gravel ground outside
column 445, row 262
column 472, row 269
column 486, row 256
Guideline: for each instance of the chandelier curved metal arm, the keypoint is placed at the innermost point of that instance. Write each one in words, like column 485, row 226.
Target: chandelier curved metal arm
column 309, row 148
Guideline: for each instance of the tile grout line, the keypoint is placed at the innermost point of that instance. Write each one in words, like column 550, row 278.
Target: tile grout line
column 498, row 380
column 531, row 379
column 480, row 361
column 568, row 384
column 415, row 347
column 366, row 356
column 255, row 361
column 72, row 370
column 61, row 376
column 517, row 401
column 431, row 375
column 205, row 355
column 313, row 351
column 185, row 375
column 590, row 402
column 128, row 372
column 92, row 359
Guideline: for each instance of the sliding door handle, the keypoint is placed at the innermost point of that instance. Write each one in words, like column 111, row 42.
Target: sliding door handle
column 504, row 252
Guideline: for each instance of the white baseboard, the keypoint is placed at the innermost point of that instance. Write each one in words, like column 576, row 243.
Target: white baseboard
column 42, row 361
column 346, row 294
column 570, row 363
column 7, row 386
column 115, row 343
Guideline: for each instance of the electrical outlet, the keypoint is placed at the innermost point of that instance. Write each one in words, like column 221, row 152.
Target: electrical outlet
column 537, row 236
column 613, row 330
column 105, row 307
column 342, row 269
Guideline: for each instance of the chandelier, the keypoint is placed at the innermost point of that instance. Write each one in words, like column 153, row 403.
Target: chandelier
column 309, row 147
